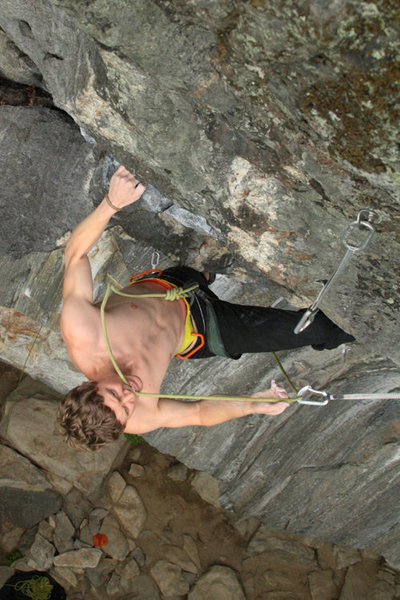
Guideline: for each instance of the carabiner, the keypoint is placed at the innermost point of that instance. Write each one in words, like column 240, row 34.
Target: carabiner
column 359, row 224
column 308, row 388
column 155, row 259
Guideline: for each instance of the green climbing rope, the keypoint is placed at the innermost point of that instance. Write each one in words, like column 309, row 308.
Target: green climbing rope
column 178, row 293
column 37, row 588
column 286, row 376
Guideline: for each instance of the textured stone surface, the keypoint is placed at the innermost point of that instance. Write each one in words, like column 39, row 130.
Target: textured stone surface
column 117, row 545
column 50, row 168
column 273, row 123
column 63, row 533
column 219, row 583
column 15, row 65
column 131, row 512
column 85, row 558
column 26, row 496
column 169, row 579
column 40, row 443
column 266, row 126
column 207, row 487
column 42, row 554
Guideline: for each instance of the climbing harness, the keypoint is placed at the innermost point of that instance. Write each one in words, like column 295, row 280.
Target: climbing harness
column 363, row 221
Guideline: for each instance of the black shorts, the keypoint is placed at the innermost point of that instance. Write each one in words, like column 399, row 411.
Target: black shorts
column 249, row 329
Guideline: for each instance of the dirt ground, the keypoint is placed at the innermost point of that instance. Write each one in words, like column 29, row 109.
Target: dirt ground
column 175, row 509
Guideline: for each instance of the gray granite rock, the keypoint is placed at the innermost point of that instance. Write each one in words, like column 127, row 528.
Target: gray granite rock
column 115, row 486
column 131, row 512
column 41, row 554
column 76, row 505
column 142, row 587
column 278, row 546
column 178, row 472
column 46, row 530
column 128, row 573
column 136, row 470
column 178, row 556
column 207, row 487
column 267, row 129
column 85, row 558
column 65, row 577
column 218, row 583
column 139, row 556
column 96, row 518
column 117, row 545
column 45, row 148
column 169, row 579
column 15, row 65
column 99, row 575
column 25, row 495
column 64, row 533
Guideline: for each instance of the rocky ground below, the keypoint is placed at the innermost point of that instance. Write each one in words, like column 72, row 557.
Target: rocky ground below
column 156, row 532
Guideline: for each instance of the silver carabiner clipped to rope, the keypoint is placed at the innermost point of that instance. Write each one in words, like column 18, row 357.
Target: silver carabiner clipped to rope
column 363, row 221
column 308, row 388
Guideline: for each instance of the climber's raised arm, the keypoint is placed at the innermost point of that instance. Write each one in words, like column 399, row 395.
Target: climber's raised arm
column 124, row 190
column 77, row 317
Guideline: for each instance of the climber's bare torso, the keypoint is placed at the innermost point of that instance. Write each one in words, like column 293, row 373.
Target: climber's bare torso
column 144, row 334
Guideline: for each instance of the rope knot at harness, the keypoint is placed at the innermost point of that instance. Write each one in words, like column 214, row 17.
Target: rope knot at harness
column 175, row 294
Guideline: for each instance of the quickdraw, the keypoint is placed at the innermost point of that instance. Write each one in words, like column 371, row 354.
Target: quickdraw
column 326, row 397
column 364, row 221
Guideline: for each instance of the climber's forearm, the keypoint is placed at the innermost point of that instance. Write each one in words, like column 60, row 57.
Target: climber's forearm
column 88, row 232
column 124, row 190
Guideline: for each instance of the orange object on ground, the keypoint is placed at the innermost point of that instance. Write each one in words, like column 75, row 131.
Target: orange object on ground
column 100, row 539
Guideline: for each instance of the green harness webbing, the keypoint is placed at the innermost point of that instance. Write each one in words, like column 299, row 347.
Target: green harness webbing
column 173, row 294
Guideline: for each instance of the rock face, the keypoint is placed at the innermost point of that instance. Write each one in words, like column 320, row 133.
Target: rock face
column 30, row 428
column 26, row 496
column 186, row 548
column 274, row 123
column 265, row 127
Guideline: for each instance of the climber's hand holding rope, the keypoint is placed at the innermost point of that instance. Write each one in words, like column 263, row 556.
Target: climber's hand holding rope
column 275, row 391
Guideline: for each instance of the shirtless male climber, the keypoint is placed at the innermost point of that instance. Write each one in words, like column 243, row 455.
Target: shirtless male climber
column 146, row 333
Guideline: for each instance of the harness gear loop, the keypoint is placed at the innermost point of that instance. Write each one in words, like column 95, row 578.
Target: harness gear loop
column 195, row 349
column 309, row 315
